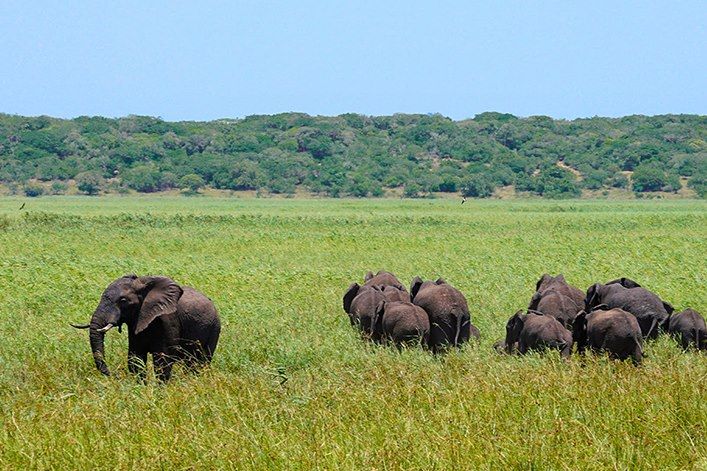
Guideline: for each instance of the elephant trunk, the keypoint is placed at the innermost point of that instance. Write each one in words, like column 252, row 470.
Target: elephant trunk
column 96, row 338
column 104, row 318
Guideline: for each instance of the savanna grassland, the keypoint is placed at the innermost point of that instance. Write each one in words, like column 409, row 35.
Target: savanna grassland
column 292, row 386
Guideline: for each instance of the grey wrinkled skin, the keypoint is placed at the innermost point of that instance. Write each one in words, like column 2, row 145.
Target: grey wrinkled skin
column 171, row 322
column 534, row 331
column 650, row 311
column 689, row 329
column 614, row 331
column 448, row 311
column 401, row 322
column 558, row 284
column 555, row 304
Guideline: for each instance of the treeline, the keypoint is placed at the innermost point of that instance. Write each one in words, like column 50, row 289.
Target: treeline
column 356, row 155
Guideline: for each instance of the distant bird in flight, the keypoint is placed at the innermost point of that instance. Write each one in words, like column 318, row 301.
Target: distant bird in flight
column 22, row 207
column 463, row 199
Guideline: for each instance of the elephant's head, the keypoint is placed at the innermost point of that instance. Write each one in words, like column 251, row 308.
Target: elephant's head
column 513, row 328
column 546, row 280
column 132, row 300
column 594, row 296
column 417, row 284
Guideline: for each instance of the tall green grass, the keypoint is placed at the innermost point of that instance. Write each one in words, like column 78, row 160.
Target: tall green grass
column 292, row 386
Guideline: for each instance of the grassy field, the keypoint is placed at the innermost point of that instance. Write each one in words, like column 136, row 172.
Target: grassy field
column 292, row 386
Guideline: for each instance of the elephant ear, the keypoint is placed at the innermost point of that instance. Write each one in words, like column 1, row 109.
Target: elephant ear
column 625, row 282
column 441, row 281
column 349, row 296
column 579, row 326
column 368, row 277
column 542, row 280
column 668, row 307
column 535, row 300
column 161, row 297
column 377, row 321
column 415, row 287
column 592, row 297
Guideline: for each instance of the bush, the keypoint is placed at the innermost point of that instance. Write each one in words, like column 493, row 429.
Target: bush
column 191, row 183
column 698, row 182
column 143, row 178
column 478, row 186
column 33, row 190
column 650, row 177
column 89, row 182
column 59, row 188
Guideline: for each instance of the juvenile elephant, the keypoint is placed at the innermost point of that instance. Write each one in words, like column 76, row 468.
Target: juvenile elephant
column 392, row 293
column 614, row 331
column 446, row 306
column 555, row 304
column 534, row 331
column 558, row 284
column 650, row 311
column 383, row 278
column 688, row 327
column 401, row 322
column 500, row 346
column 172, row 322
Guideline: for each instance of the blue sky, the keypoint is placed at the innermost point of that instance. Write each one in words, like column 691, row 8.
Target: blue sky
column 212, row 59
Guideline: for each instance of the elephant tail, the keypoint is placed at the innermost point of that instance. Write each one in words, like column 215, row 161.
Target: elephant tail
column 653, row 325
column 458, row 331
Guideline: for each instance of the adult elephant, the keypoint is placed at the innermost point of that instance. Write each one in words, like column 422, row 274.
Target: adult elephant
column 651, row 312
column 172, row 322
column 614, row 331
column 360, row 302
column 446, row 306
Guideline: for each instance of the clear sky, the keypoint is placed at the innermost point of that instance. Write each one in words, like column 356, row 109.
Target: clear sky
column 202, row 60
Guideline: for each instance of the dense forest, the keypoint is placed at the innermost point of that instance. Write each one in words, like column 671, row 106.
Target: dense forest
column 355, row 155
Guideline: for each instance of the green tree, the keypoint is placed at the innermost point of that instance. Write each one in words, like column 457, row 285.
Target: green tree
column 648, row 178
column 191, row 183
column 477, row 186
column 89, row 182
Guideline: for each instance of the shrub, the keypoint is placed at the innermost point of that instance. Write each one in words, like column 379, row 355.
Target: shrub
column 90, row 183
column 33, row 190
column 478, row 186
column 191, row 183
column 59, row 188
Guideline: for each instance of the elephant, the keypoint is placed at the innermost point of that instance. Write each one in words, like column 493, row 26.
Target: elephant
column 172, row 322
column 360, row 302
column 650, row 311
column 392, row 294
column 534, row 331
column 688, row 327
column 448, row 311
column 383, row 278
column 555, row 304
column 548, row 283
column 611, row 330
column 402, row 322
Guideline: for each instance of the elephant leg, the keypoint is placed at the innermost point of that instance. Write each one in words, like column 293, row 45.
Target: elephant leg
column 136, row 363
column 163, row 366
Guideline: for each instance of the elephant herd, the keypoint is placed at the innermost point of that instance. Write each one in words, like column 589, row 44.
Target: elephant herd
column 433, row 313
column 177, row 323
column 614, row 317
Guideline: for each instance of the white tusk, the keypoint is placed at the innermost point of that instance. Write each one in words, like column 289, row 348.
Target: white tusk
column 106, row 328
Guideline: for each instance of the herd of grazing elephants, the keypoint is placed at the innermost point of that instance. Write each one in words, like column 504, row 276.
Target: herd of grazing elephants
column 180, row 324
column 613, row 318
